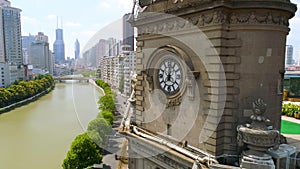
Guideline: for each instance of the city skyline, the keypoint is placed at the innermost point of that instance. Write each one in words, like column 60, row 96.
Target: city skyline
column 41, row 16
column 92, row 21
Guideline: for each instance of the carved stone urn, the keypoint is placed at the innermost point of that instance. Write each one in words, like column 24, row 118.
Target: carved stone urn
column 258, row 138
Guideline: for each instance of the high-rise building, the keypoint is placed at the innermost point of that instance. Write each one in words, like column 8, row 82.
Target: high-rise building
column 59, row 47
column 289, row 61
column 11, row 35
column 2, row 49
column 128, row 35
column 5, row 3
column 26, row 41
column 112, row 44
column 77, row 49
column 40, row 55
column 10, row 41
column 102, row 51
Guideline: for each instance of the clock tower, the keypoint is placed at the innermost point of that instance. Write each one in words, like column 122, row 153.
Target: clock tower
column 200, row 64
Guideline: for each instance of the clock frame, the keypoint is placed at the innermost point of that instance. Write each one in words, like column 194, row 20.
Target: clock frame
column 170, row 75
column 155, row 81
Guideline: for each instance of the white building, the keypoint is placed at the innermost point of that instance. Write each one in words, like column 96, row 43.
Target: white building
column 117, row 70
column 129, row 70
column 115, row 74
column 11, row 55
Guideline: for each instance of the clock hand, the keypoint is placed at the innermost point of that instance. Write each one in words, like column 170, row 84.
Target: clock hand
column 169, row 77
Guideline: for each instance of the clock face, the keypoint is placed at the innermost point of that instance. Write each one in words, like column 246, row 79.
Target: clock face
column 170, row 76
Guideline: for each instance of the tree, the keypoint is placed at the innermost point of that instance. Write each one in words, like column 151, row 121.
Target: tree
column 21, row 90
column 94, row 135
column 98, row 73
column 83, row 153
column 85, row 74
column 101, row 126
column 107, row 103
column 107, row 115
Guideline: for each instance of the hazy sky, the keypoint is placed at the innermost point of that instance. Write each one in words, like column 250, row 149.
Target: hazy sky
column 82, row 19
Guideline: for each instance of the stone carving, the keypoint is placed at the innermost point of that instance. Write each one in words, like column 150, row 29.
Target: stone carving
column 174, row 101
column 258, row 137
column 190, row 87
column 216, row 18
column 157, row 155
column 169, row 162
column 175, row 1
column 258, row 118
column 201, row 20
column 150, row 82
column 180, row 24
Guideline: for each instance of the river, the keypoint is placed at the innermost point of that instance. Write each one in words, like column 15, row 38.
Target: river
column 39, row 135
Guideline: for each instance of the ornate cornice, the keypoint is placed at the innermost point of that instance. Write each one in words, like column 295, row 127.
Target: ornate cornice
column 153, row 153
column 170, row 6
column 218, row 17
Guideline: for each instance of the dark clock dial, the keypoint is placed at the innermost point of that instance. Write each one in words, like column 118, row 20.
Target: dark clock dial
column 170, row 76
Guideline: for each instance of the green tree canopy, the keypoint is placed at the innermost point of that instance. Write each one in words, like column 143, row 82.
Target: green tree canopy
column 83, row 153
column 101, row 126
column 94, row 135
column 85, row 73
column 107, row 103
column 107, row 115
column 21, row 90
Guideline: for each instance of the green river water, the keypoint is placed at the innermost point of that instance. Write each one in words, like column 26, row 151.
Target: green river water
column 38, row 135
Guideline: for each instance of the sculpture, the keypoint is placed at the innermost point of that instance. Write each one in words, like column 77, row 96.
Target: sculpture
column 258, row 137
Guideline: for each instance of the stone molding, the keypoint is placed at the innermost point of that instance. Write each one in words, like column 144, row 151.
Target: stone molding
column 173, row 6
column 159, row 155
column 215, row 18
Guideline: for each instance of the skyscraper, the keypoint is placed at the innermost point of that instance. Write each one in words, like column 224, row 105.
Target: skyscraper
column 10, row 41
column 26, row 41
column 11, row 35
column 128, row 37
column 289, row 61
column 40, row 55
column 59, row 47
column 77, row 49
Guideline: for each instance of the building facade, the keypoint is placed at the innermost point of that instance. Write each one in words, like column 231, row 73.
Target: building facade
column 4, row 73
column 77, row 49
column 11, row 42
column 59, row 47
column 128, row 32
column 289, row 61
column 117, row 70
column 40, row 56
column 26, row 42
column 129, row 63
column 200, row 66
column 12, row 35
column 101, row 52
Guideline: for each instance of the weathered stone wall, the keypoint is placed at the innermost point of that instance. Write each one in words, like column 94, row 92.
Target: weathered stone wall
column 246, row 44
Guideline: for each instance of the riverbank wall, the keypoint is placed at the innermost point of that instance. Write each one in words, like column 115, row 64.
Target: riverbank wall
column 26, row 101
column 92, row 82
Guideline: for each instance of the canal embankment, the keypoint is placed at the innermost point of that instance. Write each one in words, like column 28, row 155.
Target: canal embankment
column 39, row 134
column 26, row 101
